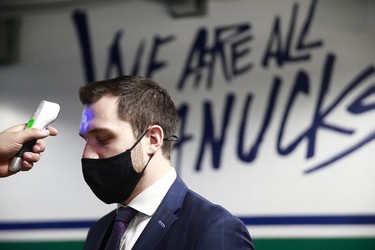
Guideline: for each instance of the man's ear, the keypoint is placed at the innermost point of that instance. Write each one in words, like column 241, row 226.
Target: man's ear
column 155, row 134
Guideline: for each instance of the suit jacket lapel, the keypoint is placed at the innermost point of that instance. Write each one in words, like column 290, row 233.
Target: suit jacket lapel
column 99, row 233
column 107, row 233
column 164, row 216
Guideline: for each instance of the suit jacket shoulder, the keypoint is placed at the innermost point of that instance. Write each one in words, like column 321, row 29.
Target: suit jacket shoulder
column 186, row 220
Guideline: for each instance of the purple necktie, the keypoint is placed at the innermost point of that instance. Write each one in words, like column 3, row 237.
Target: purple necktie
column 123, row 218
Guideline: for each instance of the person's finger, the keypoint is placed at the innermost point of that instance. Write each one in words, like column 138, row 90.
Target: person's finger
column 28, row 160
column 31, row 134
column 26, row 165
column 39, row 146
column 52, row 130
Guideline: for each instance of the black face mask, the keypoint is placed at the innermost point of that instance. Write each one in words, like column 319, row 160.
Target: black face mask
column 112, row 179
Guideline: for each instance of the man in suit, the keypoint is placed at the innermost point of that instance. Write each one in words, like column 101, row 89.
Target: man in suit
column 128, row 124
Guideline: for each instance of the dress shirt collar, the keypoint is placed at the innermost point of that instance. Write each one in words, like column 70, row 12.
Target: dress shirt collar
column 149, row 200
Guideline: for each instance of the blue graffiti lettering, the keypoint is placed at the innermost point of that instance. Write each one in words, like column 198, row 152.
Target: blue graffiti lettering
column 202, row 57
column 319, row 121
column 266, row 122
column 356, row 107
column 115, row 60
column 302, row 84
column 282, row 52
column 154, row 63
column 359, row 106
column 208, row 135
column 115, row 56
column 80, row 21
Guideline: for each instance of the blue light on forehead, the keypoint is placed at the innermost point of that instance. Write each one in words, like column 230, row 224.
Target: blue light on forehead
column 87, row 116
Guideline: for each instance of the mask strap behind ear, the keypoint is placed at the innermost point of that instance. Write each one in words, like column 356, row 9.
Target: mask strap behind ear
column 171, row 138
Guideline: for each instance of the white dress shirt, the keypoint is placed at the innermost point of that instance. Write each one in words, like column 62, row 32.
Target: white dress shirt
column 146, row 204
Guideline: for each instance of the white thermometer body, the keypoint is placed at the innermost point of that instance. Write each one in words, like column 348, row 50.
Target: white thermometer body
column 45, row 114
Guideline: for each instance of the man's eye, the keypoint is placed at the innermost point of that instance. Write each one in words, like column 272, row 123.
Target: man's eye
column 103, row 141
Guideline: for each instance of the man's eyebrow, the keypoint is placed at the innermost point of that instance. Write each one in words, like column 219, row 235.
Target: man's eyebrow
column 94, row 131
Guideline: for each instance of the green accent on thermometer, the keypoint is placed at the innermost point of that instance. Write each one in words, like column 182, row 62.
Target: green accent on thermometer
column 30, row 123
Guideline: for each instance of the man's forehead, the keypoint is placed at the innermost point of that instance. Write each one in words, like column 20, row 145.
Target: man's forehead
column 87, row 116
column 103, row 109
column 95, row 120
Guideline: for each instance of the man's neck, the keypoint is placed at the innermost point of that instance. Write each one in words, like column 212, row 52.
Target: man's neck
column 151, row 175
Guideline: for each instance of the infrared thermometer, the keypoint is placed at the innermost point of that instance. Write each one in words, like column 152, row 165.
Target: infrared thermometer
column 45, row 114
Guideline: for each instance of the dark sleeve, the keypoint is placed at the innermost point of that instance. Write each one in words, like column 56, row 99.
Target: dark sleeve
column 225, row 231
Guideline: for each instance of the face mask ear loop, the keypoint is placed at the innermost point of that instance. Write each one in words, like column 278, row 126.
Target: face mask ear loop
column 138, row 140
column 149, row 159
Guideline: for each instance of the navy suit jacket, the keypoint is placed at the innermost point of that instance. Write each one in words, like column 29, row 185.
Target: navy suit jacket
column 184, row 220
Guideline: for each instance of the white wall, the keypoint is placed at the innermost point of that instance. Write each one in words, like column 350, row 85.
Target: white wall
column 50, row 67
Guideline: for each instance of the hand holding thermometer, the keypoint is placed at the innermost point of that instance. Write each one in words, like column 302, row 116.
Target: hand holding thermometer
column 45, row 114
